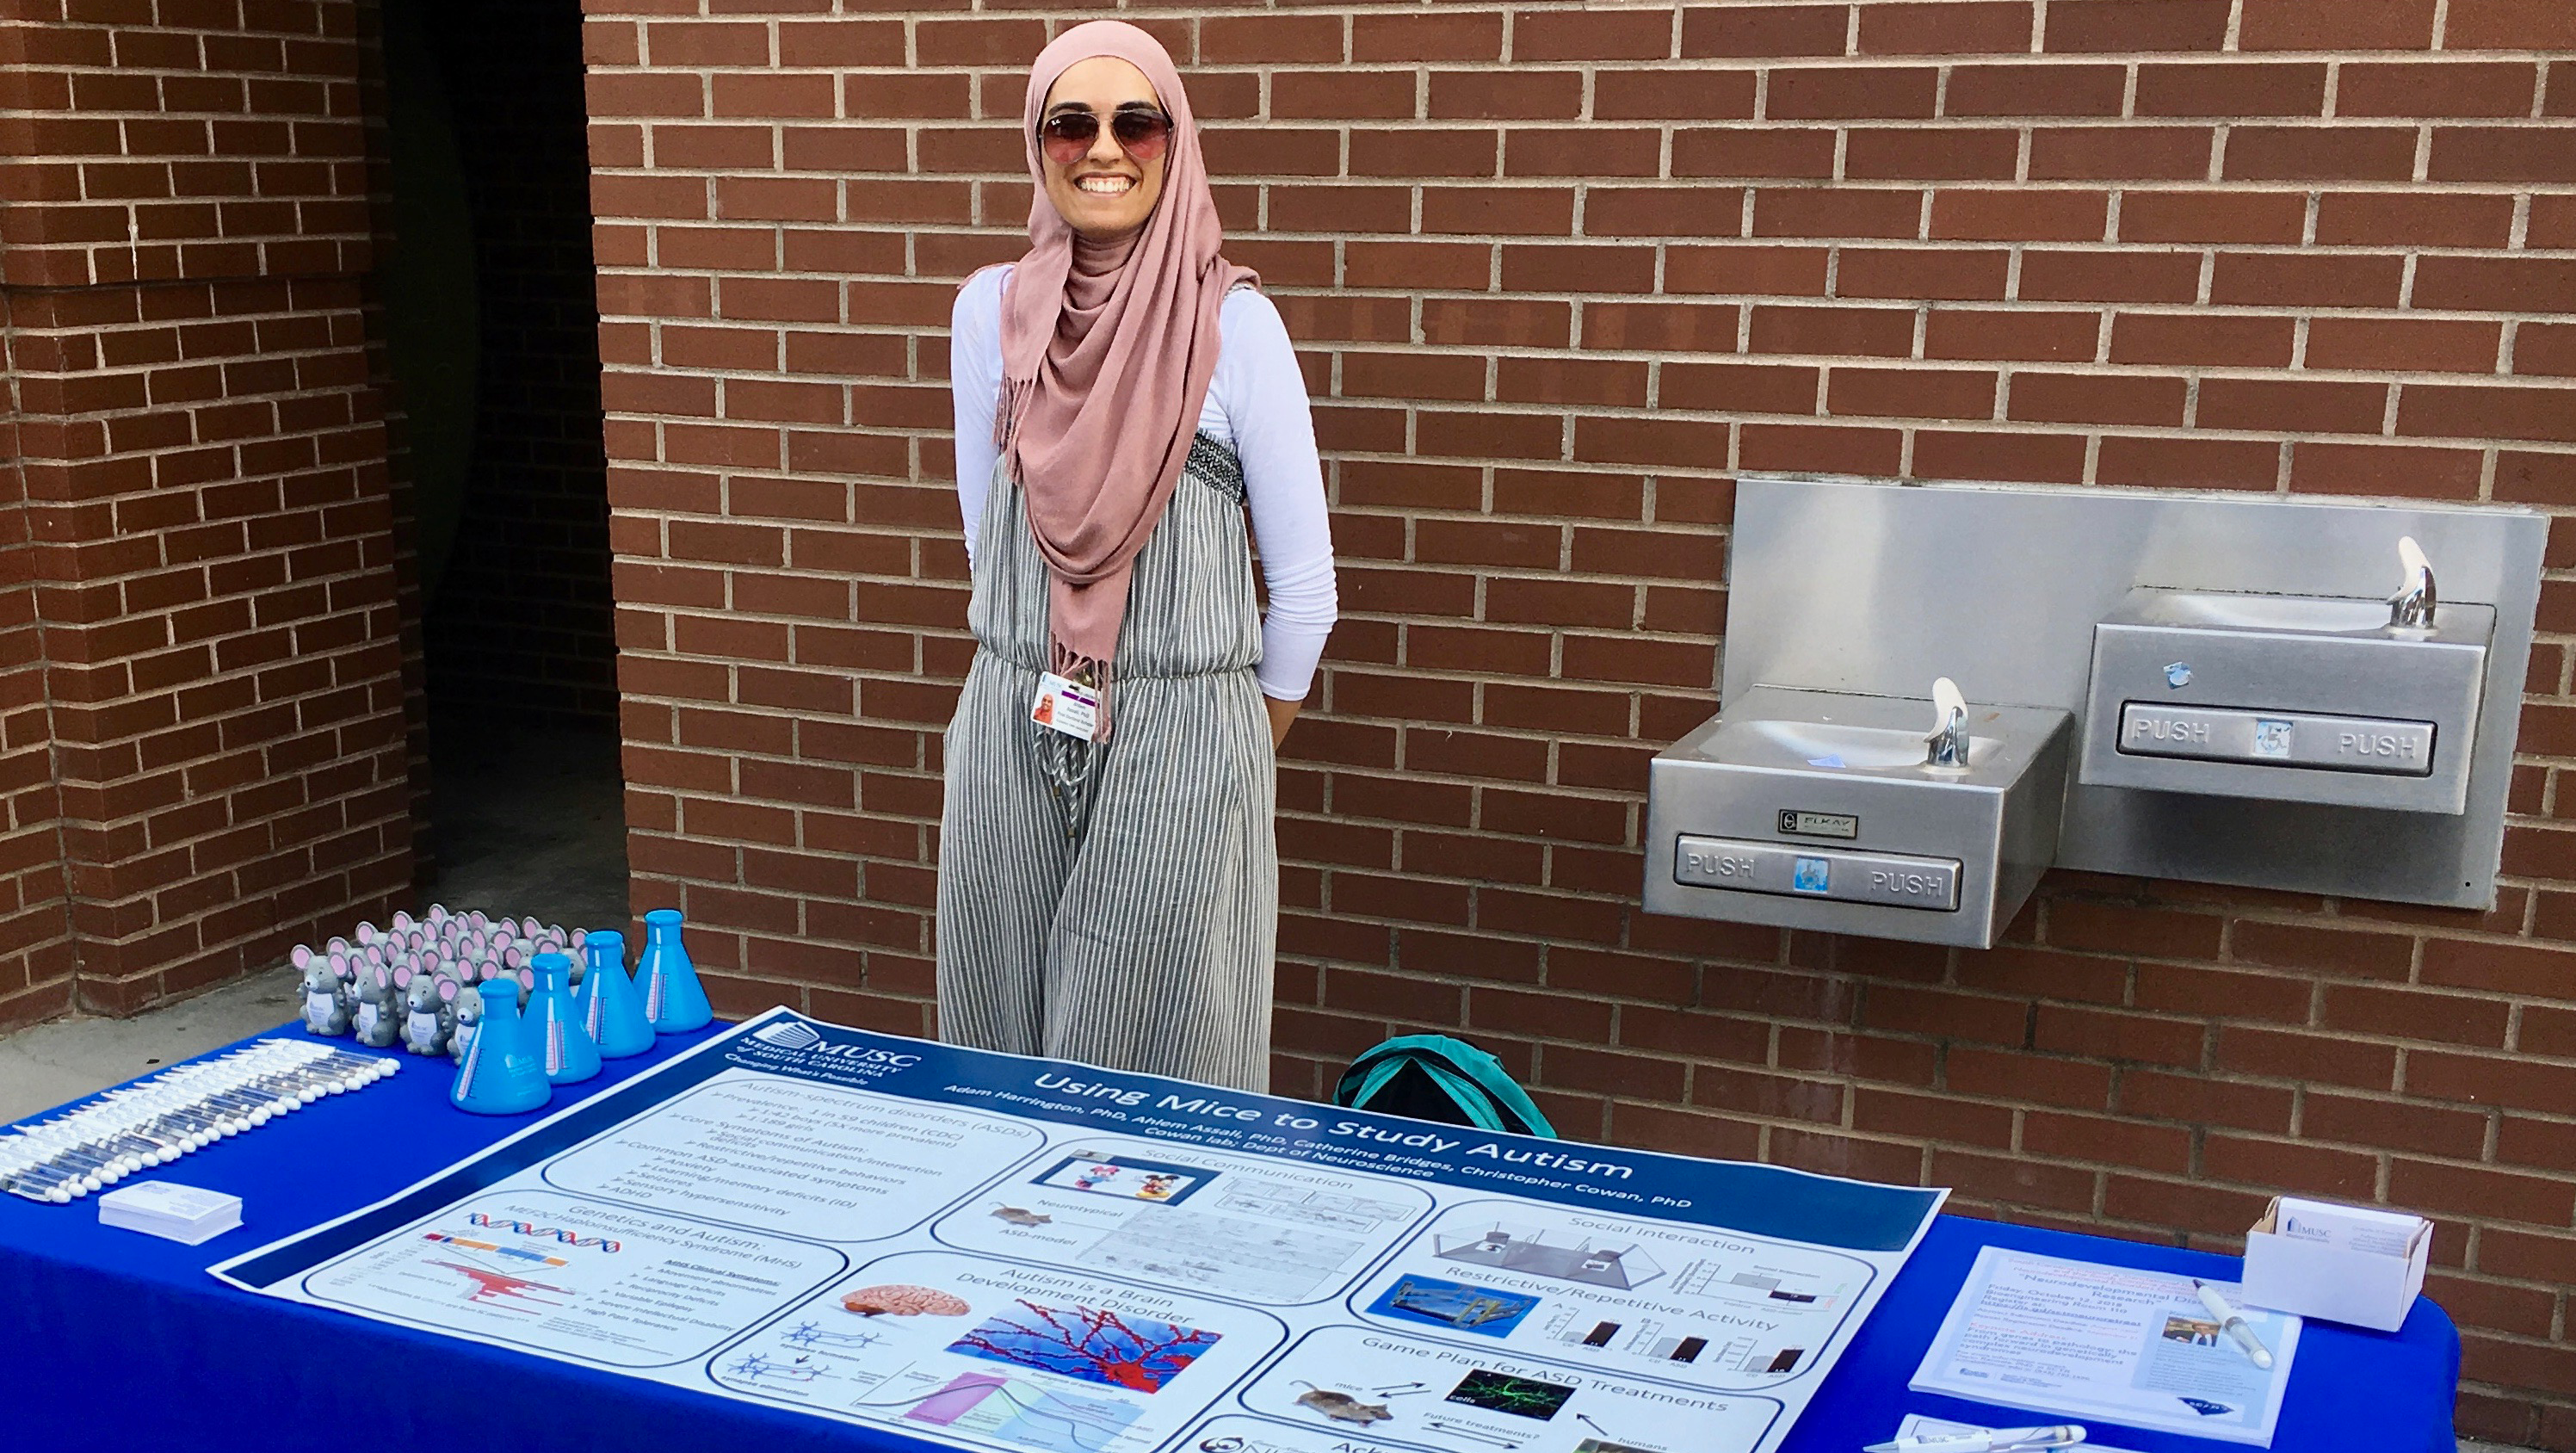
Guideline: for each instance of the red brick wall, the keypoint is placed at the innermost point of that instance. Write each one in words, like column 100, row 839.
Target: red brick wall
column 1558, row 271
column 36, row 960
column 203, row 650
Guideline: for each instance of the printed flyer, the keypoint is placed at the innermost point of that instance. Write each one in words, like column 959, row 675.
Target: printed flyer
column 2109, row 1343
column 1027, row 1256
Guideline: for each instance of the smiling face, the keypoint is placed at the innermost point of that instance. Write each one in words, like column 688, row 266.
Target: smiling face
column 1104, row 194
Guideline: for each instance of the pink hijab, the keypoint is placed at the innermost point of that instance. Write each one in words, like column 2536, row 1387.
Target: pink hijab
column 1107, row 350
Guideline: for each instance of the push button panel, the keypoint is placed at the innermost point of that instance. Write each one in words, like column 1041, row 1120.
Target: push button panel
column 1894, row 880
column 2383, row 747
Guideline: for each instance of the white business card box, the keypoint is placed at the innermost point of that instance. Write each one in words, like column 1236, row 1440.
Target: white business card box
column 2331, row 1283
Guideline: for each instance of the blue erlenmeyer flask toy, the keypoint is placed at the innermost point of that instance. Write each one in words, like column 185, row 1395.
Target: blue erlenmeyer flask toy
column 673, row 998
column 571, row 1055
column 610, row 1008
column 503, row 1074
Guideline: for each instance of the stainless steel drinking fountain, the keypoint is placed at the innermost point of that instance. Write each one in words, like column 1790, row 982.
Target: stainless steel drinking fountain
column 2214, row 687
column 1926, row 820
column 2364, row 703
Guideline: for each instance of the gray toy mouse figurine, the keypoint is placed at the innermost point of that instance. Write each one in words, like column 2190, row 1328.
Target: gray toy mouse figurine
column 325, row 1012
column 346, row 971
column 469, row 1019
column 425, row 1026
column 377, row 1023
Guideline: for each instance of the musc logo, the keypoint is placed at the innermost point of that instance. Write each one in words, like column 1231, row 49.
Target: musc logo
column 860, row 1054
column 788, row 1034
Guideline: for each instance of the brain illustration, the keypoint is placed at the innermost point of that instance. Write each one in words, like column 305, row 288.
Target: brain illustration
column 903, row 1301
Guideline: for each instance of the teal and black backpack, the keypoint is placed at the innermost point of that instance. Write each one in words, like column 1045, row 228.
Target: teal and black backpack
column 1434, row 1077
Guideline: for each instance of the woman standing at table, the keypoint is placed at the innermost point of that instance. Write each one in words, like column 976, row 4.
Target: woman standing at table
column 1108, row 869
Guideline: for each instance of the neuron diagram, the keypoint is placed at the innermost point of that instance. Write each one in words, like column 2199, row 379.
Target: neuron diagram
column 1090, row 1343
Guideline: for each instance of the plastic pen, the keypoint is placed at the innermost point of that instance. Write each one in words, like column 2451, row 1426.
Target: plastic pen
column 167, row 1123
column 25, row 1169
column 345, row 1071
column 189, row 1126
column 123, row 1126
column 55, row 1161
column 18, row 1162
column 275, row 1090
column 241, row 1112
column 284, row 1092
column 133, row 1151
column 232, row 1113
column 93, row 1170
column 2001, row 1440
column 42, row 1184
column 2232, row 1322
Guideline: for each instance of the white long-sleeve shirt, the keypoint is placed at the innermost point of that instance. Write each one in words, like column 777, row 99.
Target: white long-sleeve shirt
column 1256, row 406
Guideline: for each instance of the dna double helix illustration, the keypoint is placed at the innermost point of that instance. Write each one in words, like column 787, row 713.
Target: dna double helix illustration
column 524, row 1228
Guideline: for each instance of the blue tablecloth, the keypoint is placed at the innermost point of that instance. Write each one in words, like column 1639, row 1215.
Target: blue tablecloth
column 114, row 1340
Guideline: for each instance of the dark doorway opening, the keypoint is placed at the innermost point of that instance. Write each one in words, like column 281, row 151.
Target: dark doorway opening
column 492, row 326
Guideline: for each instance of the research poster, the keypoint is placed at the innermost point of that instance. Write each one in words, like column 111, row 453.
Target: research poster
column 1027, row 1256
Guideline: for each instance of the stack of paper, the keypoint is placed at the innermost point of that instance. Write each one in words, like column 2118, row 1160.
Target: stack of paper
column 2349, row 1228
column 175, row 1212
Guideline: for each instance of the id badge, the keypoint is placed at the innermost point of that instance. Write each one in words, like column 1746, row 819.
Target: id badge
column 1066, row 706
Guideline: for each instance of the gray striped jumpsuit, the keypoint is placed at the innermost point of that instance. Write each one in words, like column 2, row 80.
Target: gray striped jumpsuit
column 1117, row 903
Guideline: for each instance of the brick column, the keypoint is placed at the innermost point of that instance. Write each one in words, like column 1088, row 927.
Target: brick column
column 36, row 958
column 204, row 681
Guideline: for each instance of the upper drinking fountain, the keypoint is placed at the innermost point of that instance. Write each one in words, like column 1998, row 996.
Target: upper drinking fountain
column 2351, row 702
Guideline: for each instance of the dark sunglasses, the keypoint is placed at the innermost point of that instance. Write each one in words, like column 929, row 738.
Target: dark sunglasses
column 1068, row 135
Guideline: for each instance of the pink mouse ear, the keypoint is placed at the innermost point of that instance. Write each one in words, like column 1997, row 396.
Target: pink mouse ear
column 402, row 977
column 447, row 991
column 527, row 980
